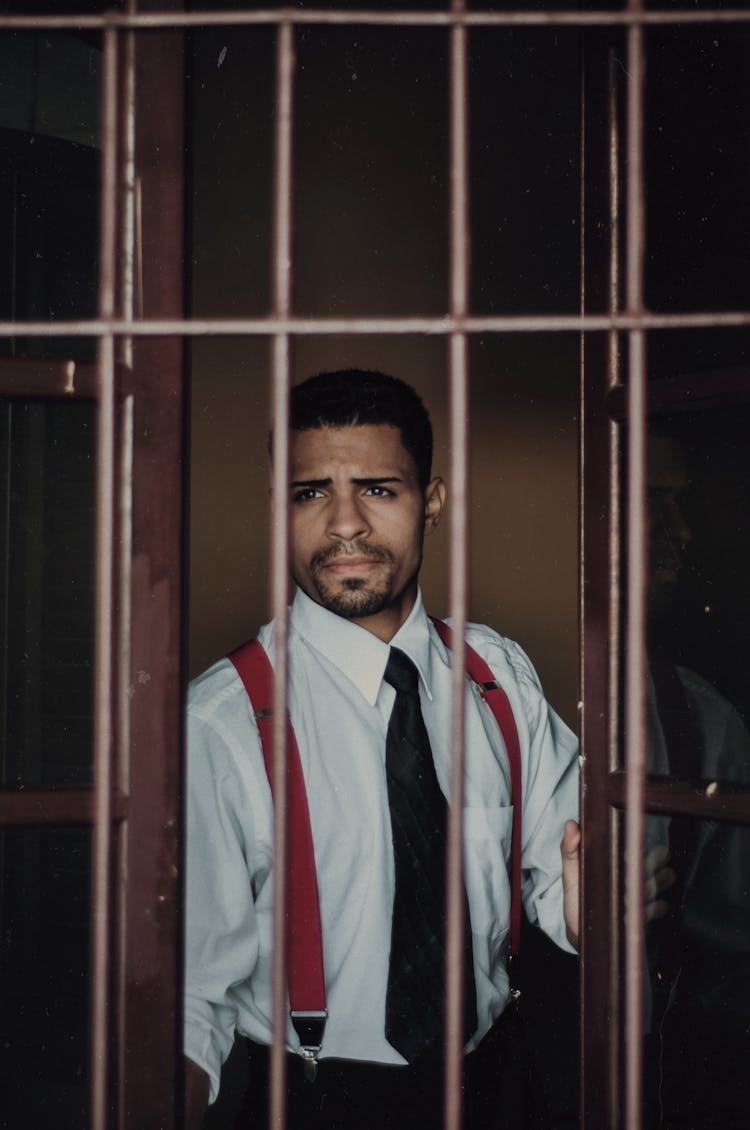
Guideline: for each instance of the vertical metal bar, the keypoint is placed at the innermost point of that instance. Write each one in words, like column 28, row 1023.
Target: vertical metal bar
column 459, row 413
column 614, row 216
column 614, row 602
column 282, row 292
column 635, row 726
column 127, row 310
column 105, row 611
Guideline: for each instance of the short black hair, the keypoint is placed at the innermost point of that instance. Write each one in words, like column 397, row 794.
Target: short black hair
column 361, row 396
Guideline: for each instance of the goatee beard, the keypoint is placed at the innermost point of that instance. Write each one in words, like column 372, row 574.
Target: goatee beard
column 353, row 597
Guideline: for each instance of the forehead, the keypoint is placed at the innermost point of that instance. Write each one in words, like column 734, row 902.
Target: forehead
column 361, row 450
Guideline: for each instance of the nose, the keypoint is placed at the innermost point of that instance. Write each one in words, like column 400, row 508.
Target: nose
column 346, row 519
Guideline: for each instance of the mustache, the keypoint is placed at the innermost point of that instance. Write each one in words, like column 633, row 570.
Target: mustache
column 351, row 549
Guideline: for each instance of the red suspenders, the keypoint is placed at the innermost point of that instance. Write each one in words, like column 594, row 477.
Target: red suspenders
column 493, row 694
column 305, row 956
column 307, row 992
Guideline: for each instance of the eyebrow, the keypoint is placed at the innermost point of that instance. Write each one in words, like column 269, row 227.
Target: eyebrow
column 365, row 482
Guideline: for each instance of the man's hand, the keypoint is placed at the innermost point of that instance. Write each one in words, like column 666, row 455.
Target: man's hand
column 196, row 1095
column 570, row 851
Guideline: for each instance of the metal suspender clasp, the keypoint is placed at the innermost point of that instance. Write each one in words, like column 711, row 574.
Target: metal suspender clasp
column 515, row 994
column 309, row 1026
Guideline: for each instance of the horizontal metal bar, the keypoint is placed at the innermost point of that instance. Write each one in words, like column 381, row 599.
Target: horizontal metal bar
column 706, row 800
column 32, row 378
column 402, row 18
column 691, row 392
column 311, row 326
column 37, row 808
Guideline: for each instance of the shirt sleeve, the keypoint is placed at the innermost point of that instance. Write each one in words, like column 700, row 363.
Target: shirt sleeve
column 221, row 931
column 550, row 786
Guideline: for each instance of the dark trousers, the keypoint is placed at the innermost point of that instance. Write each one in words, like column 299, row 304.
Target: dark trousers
column 499, row 1091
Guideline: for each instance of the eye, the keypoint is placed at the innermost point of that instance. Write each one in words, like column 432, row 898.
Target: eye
column 379, row 492
column 306, row 494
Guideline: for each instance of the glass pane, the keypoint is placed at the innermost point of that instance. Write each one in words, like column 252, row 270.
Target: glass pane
column 49, row 183
column 698, row 615
column 698, row 162
column 525, row 170
column 47, row 492
column 697, row 985
column 44, row 960
column 231, row 158
column 699, row 561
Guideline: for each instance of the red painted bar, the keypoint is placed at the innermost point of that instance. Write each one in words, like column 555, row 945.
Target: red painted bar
column 458, row 608
column 458, row 375
column 635, row 640
column 401, row 18
column 105, row 608
column 282, row 296
column 441, row 325
column 39, row 808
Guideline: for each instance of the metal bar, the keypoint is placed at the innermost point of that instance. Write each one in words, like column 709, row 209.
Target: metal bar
column 599, row 1031
column 611, row 983
column 614, row 219
column 635, row 641
column 705, row 800
column 441, row 325
column 693, row 390
column 282, row 300
column 458, row 371
column 152, row 421
column 105, row 609
column 37, row 808
column 458, row 607
column 400, row 18
column 47, row 378
column 635, row 733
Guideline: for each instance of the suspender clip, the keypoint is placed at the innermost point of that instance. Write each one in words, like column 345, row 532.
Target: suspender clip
column 309, row 1026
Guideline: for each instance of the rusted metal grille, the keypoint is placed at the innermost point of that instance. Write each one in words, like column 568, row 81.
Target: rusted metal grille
column 122, row 324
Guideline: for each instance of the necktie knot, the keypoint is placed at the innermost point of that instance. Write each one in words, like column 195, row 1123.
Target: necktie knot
column 401, row 673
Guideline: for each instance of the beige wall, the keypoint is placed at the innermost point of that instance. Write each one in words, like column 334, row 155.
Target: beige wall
column 371, row 221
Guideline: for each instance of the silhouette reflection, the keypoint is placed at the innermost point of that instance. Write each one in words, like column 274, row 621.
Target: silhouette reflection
column 697, row 993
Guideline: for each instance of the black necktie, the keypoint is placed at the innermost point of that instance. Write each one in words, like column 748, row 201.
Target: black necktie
column 415, row 999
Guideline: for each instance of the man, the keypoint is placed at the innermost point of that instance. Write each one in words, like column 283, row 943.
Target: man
column 697, row 988
column 362, row 498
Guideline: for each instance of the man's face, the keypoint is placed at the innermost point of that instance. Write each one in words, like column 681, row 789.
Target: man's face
column 358, row 519
column 669, row 533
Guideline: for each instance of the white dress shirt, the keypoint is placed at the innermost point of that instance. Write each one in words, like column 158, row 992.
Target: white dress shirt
column 340, row 707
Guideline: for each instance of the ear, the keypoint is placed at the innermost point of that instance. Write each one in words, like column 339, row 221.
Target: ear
column 434, row 501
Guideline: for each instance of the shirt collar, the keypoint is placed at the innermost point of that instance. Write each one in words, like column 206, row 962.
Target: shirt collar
column 358, row 654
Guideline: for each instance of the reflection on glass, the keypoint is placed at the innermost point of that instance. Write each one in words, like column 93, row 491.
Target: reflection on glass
column 49, row 183
column 46, row 598
column 44, row 955
column 697, row 986
column 697, row 156
column 698, row 610
column 698, row 671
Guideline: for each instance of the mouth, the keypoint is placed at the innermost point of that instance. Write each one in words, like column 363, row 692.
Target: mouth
column 349, row 565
